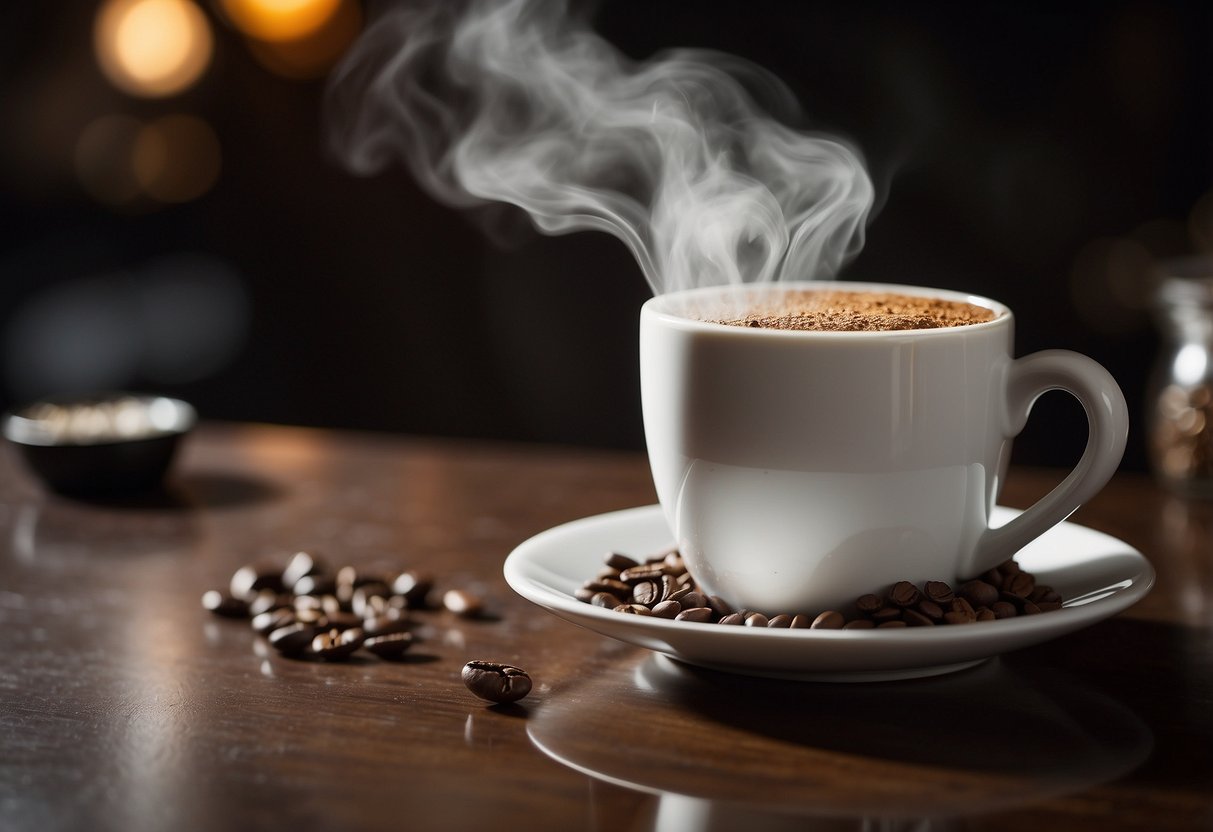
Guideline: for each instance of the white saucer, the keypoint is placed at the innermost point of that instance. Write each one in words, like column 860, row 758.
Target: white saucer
column 1097, row 574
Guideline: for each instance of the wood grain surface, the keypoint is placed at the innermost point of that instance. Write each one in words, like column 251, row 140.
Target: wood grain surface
column 125, row 706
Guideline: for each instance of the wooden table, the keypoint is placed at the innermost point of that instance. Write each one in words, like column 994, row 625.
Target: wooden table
column 125, row 706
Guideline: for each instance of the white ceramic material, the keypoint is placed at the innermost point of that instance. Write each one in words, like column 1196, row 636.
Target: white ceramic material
column 798, row 470
column 1097, row 574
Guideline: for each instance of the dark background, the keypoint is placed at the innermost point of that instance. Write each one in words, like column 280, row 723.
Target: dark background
column 1046, row 154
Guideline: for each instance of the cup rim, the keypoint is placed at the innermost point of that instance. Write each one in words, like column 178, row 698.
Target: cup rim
column 658, row 306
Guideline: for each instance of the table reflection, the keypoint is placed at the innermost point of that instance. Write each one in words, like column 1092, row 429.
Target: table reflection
column 931, row 751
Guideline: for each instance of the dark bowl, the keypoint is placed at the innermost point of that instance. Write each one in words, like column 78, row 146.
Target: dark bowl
column 117, row 445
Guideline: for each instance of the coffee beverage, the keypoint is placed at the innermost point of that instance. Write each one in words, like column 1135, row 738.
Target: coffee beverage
column 832, row 310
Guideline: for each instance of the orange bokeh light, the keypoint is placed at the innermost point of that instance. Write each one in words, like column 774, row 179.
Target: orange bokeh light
column 279, row 20
column 152, row 48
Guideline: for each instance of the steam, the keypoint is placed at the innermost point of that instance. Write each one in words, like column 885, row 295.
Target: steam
column 685, row 157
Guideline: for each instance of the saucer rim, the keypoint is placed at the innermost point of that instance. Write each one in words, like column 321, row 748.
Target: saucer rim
column 1136, row 581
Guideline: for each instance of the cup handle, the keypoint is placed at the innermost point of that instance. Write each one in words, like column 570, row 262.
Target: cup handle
column 1108, row 427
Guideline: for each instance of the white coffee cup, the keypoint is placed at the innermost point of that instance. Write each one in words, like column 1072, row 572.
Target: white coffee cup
column 798, row 470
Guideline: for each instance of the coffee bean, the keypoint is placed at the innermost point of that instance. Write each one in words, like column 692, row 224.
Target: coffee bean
column 939, row 592
column 890, row 625
column 607, row 573
column 220, row 603
column 962, row 605
column 619, row 562
column 994, row 577
column 697, row 615
column 335, row 645
column 362, row 603
column 930, row 609
column 605, row 600
column 675, row 563
column 828, row 620
column 959, row 618
column 978, row 593
column 389, row 645
column 1030, row 609
column 643, row 572
column 1020, row 584
column 382, row 625
column 756, row 619
column 913, row 618
column 647, row 593
column 682, row 592
column 904, row 594
column 633, row 609
column 1046, row 594
column 985, row 614
column 463, row 603
column 695, row 599
column 584, row 594
column 800, row 622
column 780, row 622
column 618, row 588
column 414, row 586
column 496, row 682
column 860, row 624
column 249, row 580
column 732, row 619
column 1003, row 609
column 719, row 605
column 667, row 609
column 886, row 614
column 300, row 566
column 266, row 600
column 1048, row 606
column 869, row 604
column 293, row 639
column 273, row 619
column 318, row 584
column 1009, row 567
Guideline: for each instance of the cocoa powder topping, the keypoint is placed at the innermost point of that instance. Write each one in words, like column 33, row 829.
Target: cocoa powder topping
column 858, row 311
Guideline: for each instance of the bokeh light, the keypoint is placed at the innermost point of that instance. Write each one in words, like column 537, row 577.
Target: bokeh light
column 103, row 159
column 176, row 158
column 313, row 55
column 152, row 48
column 279, row 20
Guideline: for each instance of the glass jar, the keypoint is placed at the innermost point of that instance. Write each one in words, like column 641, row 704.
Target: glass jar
column 1180, row 404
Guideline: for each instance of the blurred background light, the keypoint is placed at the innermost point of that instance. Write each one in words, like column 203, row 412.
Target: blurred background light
column 103, row 159
column 314, row 54
column 152, row 48
column 176, row 158
column 280, row 20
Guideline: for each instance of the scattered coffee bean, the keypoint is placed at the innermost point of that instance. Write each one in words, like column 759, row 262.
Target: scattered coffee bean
column 800, row 622
column 249, row 580
column 869, row 603
column 463, row 603
column 266, row 600
column 780, row 622
column 1003, row 609
column 496, row 682
column 700, row 615
column 1030, row 609
column 930, row 609
column 336, row 645
column 633, row 609
column 985, row 614
column 647, row 593
column 318, row 584
column 267, row 622
column 886, row 614
column 300, row 566
column 643, row 572
column 220, row 603
column 389, row 645
column 618, row 588
column 293, row 639
column 414, row 586
column 732, row 619
column 913, row 618
column 386, row 624
column 860, row 624
column 719, row 605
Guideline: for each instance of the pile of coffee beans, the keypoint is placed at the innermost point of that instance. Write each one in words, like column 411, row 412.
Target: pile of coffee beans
column 307, row 611
column 661, row 586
